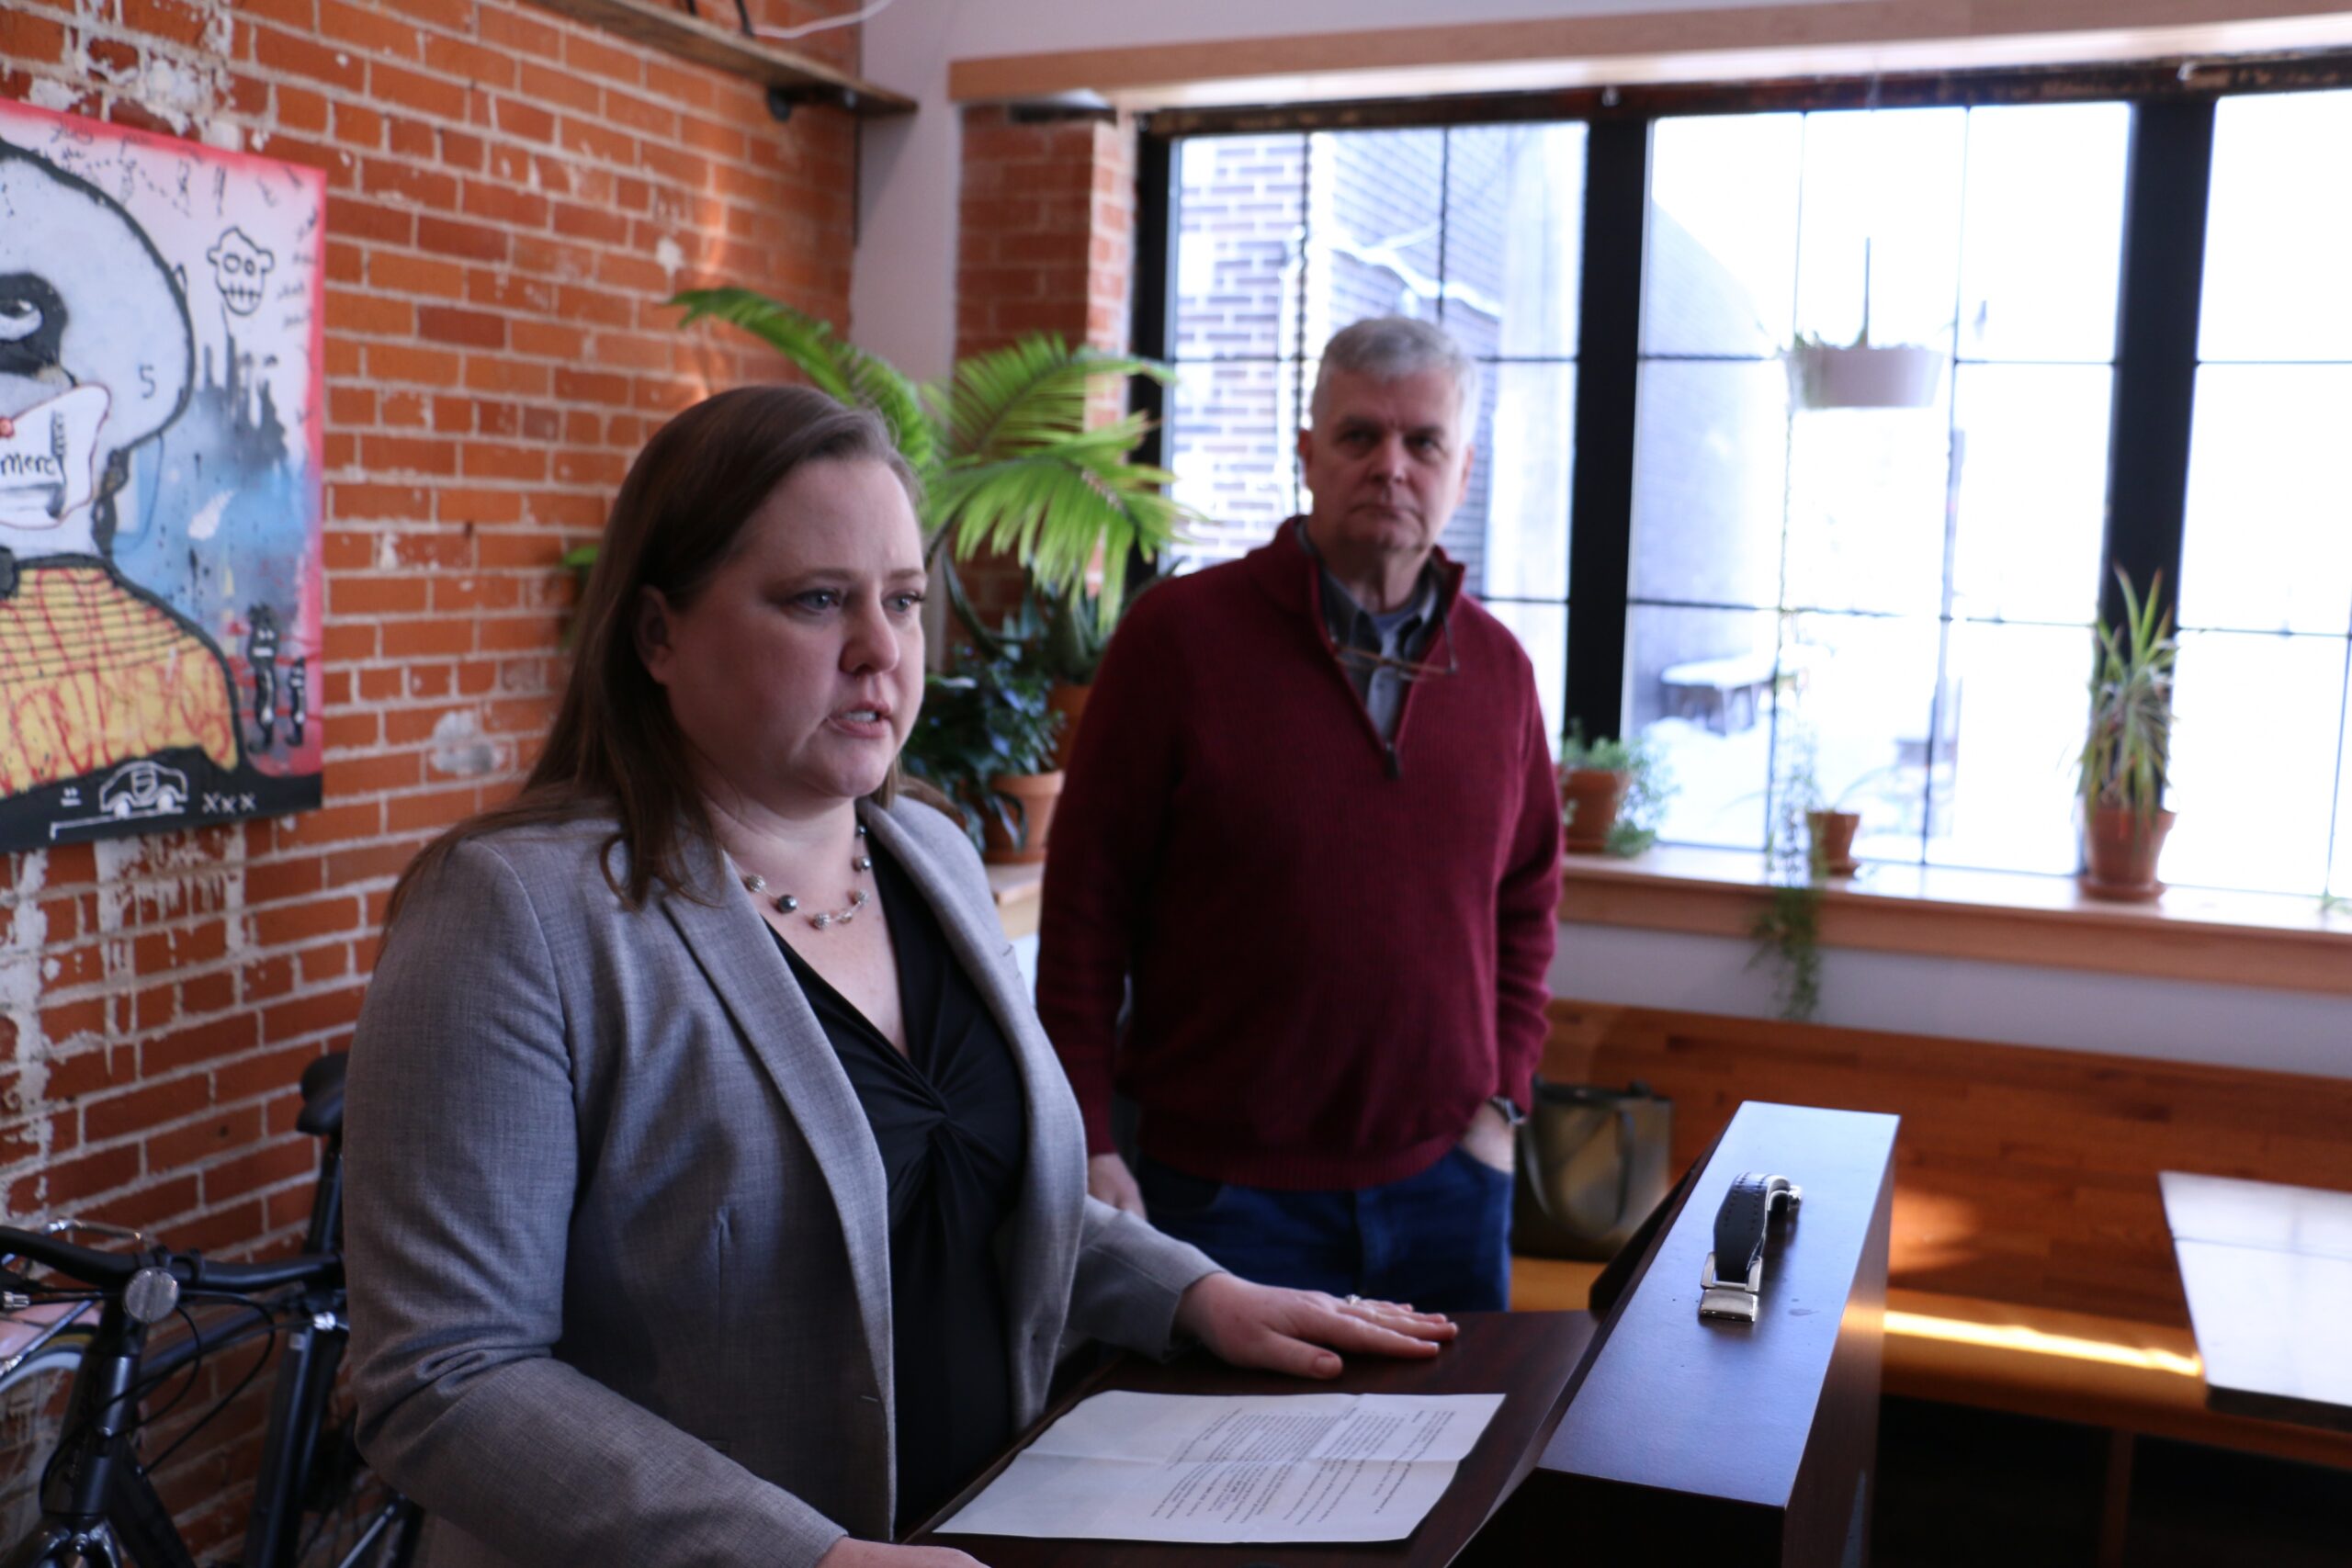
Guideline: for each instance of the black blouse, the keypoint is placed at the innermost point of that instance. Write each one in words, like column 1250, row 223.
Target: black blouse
column 952, row 1126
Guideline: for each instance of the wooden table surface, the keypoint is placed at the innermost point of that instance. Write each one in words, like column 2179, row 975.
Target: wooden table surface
column 1529, row 1358
column 2267, row 1270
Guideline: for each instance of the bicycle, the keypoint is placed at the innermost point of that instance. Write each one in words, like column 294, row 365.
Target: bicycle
column 315, row 1503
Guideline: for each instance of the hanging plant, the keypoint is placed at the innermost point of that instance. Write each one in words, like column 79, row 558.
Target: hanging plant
column 1788, row 932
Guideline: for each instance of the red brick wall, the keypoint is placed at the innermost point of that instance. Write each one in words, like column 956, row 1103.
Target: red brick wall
column 512, row 194
column 1046, row 243
column 1046, row 237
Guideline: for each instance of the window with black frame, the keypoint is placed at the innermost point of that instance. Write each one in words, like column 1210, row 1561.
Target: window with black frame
column 1283, row 239
column 2258, row 778
column 1876, row 432
column 1869, row 469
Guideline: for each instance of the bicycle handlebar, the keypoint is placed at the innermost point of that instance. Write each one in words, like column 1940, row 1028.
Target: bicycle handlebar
column 111, row 1271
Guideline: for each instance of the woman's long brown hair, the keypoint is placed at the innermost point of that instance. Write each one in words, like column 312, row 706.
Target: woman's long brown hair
column 614, row 750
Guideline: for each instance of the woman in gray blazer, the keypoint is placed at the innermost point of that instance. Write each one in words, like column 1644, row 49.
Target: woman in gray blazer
column 714, row 1195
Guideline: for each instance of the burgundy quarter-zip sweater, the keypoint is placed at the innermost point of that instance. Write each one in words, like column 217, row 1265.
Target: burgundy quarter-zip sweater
column 1337, row 946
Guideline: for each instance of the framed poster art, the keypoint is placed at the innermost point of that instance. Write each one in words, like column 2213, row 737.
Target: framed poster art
column 161, row 314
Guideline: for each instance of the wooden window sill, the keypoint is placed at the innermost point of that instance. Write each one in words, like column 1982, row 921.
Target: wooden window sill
column 2245, row 939
column 1019, row 890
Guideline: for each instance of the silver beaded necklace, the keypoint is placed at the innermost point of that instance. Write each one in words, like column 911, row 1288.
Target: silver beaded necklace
column 823, row 920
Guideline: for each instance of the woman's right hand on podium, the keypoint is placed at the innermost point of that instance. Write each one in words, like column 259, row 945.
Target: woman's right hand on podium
column 848, row 1553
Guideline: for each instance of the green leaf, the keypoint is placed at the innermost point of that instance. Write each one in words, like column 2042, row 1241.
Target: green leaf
column 2129, row 745
column 1004, row 449
column 834, row 367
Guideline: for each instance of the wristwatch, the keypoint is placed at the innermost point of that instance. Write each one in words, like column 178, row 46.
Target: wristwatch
column 1731, row 1282
column 1511, row 1114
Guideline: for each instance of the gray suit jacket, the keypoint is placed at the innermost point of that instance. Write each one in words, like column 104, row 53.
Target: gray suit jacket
column 618, row 1233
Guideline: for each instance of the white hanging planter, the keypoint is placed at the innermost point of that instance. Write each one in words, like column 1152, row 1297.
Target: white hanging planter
column 1822, row 376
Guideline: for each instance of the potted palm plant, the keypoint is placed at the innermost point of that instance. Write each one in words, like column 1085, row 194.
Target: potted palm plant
column 1007, row 460
column 1008, row 466
column 2124, row 757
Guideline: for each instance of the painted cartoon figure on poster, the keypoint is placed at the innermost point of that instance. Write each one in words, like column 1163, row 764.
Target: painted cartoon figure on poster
column 158, row 494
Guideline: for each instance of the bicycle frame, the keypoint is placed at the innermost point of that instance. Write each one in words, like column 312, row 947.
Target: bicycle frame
column 98, row 1505
column 306, row 1372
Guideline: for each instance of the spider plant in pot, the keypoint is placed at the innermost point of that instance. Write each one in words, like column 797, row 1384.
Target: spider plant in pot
column 985, row 739
column 2120, row 773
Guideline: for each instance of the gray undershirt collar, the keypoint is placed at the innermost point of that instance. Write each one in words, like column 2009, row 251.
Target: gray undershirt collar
column 1401, row 633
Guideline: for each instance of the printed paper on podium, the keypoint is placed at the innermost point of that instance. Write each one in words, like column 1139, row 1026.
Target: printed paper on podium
column 1297, row 1467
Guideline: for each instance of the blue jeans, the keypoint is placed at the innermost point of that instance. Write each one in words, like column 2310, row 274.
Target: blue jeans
column 1440, row 1240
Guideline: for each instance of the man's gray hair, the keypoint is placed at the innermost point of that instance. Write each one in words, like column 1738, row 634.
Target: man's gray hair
column 1387, row 348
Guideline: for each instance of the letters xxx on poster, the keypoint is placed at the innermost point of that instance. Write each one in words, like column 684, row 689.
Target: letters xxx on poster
column 160, row 411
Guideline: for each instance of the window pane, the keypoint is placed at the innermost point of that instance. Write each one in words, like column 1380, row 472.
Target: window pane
column 2253, row 760
column 1867, row 506
column 2030, row 451
column 1371, row 227
column 1514, row 232
column 2339, row 880
column 2278, row 232
column 1526, row 456
column 1699, row 683
column 1856, row 692
column 1229, row 432
column 1885, row 187
column 1708, row 444
column 2268, row 539
column 1464, row 535
column 2044, row 232
column 1240, row 204
column 1543, row 630
column 2016, row 702
column 1719, row 265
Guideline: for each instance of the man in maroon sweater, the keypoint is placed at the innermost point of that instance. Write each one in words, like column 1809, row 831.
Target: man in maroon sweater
column 1310, row 836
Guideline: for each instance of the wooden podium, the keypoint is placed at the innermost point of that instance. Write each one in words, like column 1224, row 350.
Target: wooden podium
column 1646, row 1436
column 1695, row 1442
column 1529, row 1357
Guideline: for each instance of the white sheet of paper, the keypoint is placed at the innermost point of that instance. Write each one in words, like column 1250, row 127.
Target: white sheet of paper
column 1283, row 1467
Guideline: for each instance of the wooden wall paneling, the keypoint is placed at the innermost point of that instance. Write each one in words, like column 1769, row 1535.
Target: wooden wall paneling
column 2023, row 1175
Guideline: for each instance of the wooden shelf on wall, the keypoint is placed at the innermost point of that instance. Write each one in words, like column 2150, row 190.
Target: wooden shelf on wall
column 801, row 78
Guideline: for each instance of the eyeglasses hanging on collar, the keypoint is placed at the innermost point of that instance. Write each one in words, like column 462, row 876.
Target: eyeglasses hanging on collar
column 1353, row 658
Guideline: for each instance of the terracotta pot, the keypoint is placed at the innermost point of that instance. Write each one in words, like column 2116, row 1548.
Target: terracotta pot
column 1033, row 797
column 1901, row 377
column 1833, row 833
column 1070, row 701
column 2121, row 852
column 1596, row 793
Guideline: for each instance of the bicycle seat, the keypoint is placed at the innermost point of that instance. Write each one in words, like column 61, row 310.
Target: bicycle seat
column 323, row 1096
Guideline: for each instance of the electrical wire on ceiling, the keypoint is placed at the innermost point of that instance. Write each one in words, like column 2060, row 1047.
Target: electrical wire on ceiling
column 784, row 35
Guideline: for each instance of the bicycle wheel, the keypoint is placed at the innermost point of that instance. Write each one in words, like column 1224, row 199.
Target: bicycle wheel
column 32, row 1416
column 351, row 1517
